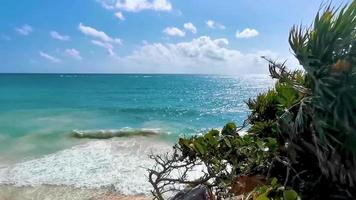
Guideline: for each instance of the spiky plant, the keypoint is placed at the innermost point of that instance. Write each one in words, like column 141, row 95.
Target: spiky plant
column 321, row 127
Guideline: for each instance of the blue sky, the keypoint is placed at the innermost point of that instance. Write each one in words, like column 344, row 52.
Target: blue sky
column 148, row 36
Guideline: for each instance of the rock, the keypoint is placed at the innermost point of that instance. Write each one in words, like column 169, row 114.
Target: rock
column 197, row 193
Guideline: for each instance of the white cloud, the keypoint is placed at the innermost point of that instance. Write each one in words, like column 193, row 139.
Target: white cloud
column 214, row 25
column 120, row 16
column 89, row 31
column 102, row 44
column 49, row 57
column 139, row 5
column 247, row 33
column 109, row 48
column 190, row 27
column 74, row 54
column 57, row 36
column 108, row 5
column 24, row 30
column 120, row 6
column 136, row 5
column 200, row 55
column 174, row 31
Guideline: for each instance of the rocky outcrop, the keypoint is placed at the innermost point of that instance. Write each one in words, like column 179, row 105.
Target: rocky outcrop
column 197, row 193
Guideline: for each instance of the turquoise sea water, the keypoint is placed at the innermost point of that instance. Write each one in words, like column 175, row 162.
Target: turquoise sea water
column 38, row 112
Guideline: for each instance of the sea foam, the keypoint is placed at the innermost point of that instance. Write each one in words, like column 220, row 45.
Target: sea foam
column 118, row 164
column 105, row 134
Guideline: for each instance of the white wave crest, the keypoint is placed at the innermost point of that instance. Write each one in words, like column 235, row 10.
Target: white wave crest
column 107, row 163
column 110, row 133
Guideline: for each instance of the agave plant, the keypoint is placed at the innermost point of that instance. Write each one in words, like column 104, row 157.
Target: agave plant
column 314, row 112
column 327, row 53
column 321, row 126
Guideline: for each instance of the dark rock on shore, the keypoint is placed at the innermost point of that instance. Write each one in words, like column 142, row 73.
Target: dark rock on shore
column 197, row 193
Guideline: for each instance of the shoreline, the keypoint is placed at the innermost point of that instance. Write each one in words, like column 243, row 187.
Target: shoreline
column 115, row 168
column 54, row 192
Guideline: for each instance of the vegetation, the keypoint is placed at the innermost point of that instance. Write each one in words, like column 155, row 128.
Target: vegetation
column 301, row 138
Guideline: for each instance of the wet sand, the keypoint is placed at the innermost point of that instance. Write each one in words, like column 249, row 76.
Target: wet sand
column 47, row 192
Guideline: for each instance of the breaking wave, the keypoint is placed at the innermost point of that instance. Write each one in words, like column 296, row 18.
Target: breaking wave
column 106, row 134
column 119, row 164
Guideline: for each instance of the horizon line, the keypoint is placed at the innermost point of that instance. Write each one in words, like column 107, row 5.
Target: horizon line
column 104, row 73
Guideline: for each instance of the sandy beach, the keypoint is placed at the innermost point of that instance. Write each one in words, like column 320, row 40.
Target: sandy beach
column 97, row 170
column 47, row 192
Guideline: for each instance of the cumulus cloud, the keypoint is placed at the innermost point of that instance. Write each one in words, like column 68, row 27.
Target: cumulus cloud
column 214, row 25
column 24, row 30
column 200, row 55
column 120, row 16
column 57, row 36
column 174, row 31
column 190, row 27
column 92, row 32
column 136, row 5
column 49, row 57
column 120, row 6
column 139, row 5
column 247, row 33
column 74, row 54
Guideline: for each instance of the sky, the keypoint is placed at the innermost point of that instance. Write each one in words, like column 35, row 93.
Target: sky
column 149, row 36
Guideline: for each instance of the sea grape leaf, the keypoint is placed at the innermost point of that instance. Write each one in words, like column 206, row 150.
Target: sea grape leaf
column 290, row 195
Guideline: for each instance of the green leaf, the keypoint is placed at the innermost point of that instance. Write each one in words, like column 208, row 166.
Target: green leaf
column 227, row 142
column 274, row 181
column 272, row 144
column 262, row 197
column 229, row 129
column 290, row 195
column 201, row 149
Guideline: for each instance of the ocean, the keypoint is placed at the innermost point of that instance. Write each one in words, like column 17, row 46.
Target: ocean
column 40, row 115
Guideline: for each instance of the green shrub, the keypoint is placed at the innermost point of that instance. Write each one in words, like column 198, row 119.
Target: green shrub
column 272, row 190
column 302, row 132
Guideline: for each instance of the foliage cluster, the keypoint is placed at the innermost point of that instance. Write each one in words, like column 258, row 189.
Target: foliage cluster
column 222, row 155
column 272, row 189
column 301, row 134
